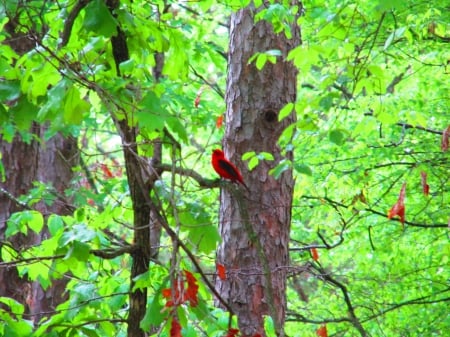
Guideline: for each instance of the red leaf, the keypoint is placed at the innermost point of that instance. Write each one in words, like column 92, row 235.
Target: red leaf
column 197, row 99
column 192, row 288
column 232, row 332
column 322, row 331
column 425, row 186
column 106, row 171
column 178, row 294
column 167, row 292
column 219, row 121
column 399, row 206
column 175, row 329
column 174, row 297
column 315, row 254
column 221, row 271
column 445, row 136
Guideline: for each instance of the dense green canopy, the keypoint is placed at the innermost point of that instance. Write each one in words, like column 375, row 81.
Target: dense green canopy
column 373, row 117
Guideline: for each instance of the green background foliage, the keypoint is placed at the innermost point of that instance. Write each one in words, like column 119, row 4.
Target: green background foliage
column 372, row 105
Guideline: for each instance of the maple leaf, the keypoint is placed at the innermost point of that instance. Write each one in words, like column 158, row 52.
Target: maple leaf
column 221, row 271
column 445, row 136
column 425, row 186
column 399, row 206
column 314, row 254
column 322, row 331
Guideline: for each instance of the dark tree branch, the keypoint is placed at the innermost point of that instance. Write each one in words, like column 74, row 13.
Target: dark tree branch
column 213, row 86
column 65, row 36
column 174, row 237
column 13, row 198
column 418, row 127
column 376, row 212
column 351, row 310
column 396, row 80
column 424, row 300
column 203, row 182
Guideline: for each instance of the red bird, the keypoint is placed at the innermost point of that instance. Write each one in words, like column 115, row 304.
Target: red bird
column 225, row 169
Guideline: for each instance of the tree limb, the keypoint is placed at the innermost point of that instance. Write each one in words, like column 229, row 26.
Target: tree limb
column 65, row 36
column 203, row 182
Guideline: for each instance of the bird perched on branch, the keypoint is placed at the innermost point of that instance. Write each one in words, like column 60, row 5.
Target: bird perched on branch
column 225, row 168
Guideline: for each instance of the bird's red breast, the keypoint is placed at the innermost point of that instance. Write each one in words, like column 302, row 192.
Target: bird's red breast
column 225, row 168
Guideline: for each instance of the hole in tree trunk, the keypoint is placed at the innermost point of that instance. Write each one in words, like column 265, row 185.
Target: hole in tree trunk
column 270, row 116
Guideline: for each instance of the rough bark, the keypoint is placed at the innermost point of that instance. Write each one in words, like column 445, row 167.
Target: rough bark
column 255, row 226
column 48, row 162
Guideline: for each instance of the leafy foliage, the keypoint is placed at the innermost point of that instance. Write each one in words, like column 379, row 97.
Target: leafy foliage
column 372, row 115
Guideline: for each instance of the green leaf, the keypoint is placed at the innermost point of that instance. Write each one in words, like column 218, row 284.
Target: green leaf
column 79, row 232
column 79, row 250
column 204, row 237
column 35, row 220
column 108, row 328
column 176, row 64
column 23, row 113
column 269, row 327
column 337, row 137
column 175, row 125
column 54, row 104
column 37, row 271
column 303, row 169
column 4, row 116
column 98, row 19
column 9, row 90
column 253, row 162
column 89, row 331
column 280, row 168
column 142, row 281
column 80, row 214
column 152, row 116
column 128, row 66
column 74, row 107
column 154, row 315
column 248, row 155
column 21, row 221
column 261, row 61
column 16, row 307
column 8, row 132
column 266, row 156
column 20, row 328
column 285, row 111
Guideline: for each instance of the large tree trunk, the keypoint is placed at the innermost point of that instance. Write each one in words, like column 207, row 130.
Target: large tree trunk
column 255, row 226
column 48, row 162
column 51, row 163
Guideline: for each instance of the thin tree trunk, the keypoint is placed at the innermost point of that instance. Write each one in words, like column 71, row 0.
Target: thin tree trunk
column 255, row 226
column 147, row 229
